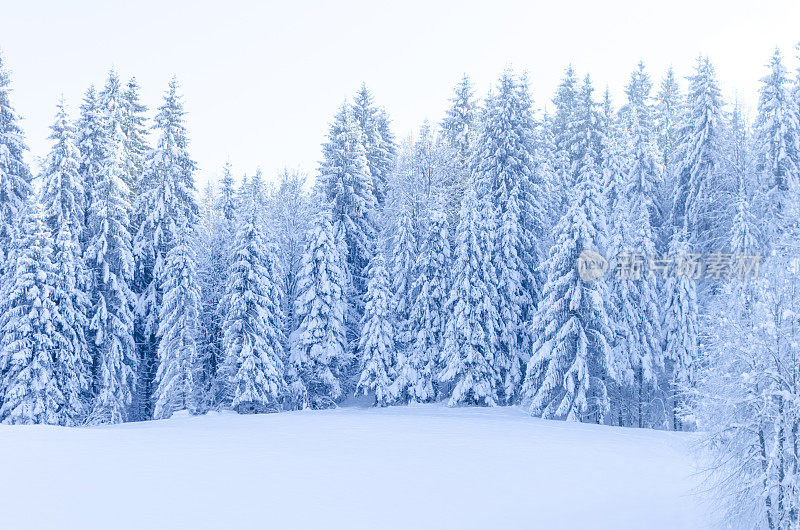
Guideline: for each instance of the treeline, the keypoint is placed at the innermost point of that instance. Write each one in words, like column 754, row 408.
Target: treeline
column 439, row 267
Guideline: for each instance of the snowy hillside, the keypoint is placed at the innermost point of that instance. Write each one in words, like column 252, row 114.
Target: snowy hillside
column 401, row 467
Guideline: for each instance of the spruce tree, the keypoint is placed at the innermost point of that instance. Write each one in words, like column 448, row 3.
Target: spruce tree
column 377, row 336
column 109, row 260
column 459, row 126
column 179, row 320
column 427, row 315
column 32, row 344
column 166, row 194
column 90, row 140
column 681, row 328
column 698, row 152
column 63, row 198
column 15, row 177
column 778, row 137
column 471, row 334
column 505, row 162
column 404, row 252
column 345, row 183
column 318, row 345
column 377, row 141
column 253, row 321
column 571, row 365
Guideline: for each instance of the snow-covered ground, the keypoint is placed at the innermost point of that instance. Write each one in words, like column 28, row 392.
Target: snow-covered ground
column 401, row 467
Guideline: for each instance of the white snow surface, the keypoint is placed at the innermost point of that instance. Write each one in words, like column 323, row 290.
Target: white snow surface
column 411, row 467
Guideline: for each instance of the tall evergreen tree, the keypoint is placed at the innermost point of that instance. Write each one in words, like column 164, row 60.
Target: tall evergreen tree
column 505, row 163
column 15, row 177
column 778, row 137
column 377, row 141
column 179, row 320
column 252, row 328
column 571, row 365
column 33, row 345
column 109, row 259
column 471, row 337
column 90, row 138
column 377, row 336
column 460, row 123
column 345, row 183
column 319, row 344
column 699, row 153
column 404, row 257
column 426, row 316
column 166, row 194
column 63, row 198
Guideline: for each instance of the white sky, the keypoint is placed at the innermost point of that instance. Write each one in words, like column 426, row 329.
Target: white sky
column 261, row 80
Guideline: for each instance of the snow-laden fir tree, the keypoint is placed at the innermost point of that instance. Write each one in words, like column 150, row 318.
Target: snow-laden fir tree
column 505, row 165
column 15, row 176
column 404, row 255
column 33, row 344
column 63, row 199
column 227, row 199
column 459, row 125
column 345, row 184
column 318, row 345
column 471, row 334
column 377, row 140
column 213, row 243
column 166, row 194
column 109, row 261
column 571, row 363
column 90, row 140
column 778, row 137
column 643, row 181
column 418, row 362
column 667, row 113
column 681, row 328
column 376, row 343
column 699, row 149
column 135, row 129
column 178, row 329
column 290, row 209
column 253, row 321
column 118, row 114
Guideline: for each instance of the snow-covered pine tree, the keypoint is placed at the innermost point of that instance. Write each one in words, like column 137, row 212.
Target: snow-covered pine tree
column 319, row 343
column 471, row 334
column 404, row 250
column 179, row 320
column 345, row 184
column 571, row 365
column 667, row 113
column 227, row 199
column 418, row 362
column 459, row 127
column 643, row 180
column 778, row 137
column 15, row 176
column 166, row 193
column 135, row 130
column 253, row 320
column 505, row 163
column 698, row 153
column 377, row 140
column 33, row 344
column 109, row 260
column 63, row 198
column 680, row 328
column 376, row 343
column 290, row 209
column 90, row 139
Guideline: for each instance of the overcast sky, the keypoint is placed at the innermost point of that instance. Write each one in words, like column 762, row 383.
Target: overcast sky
column 261, row 80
